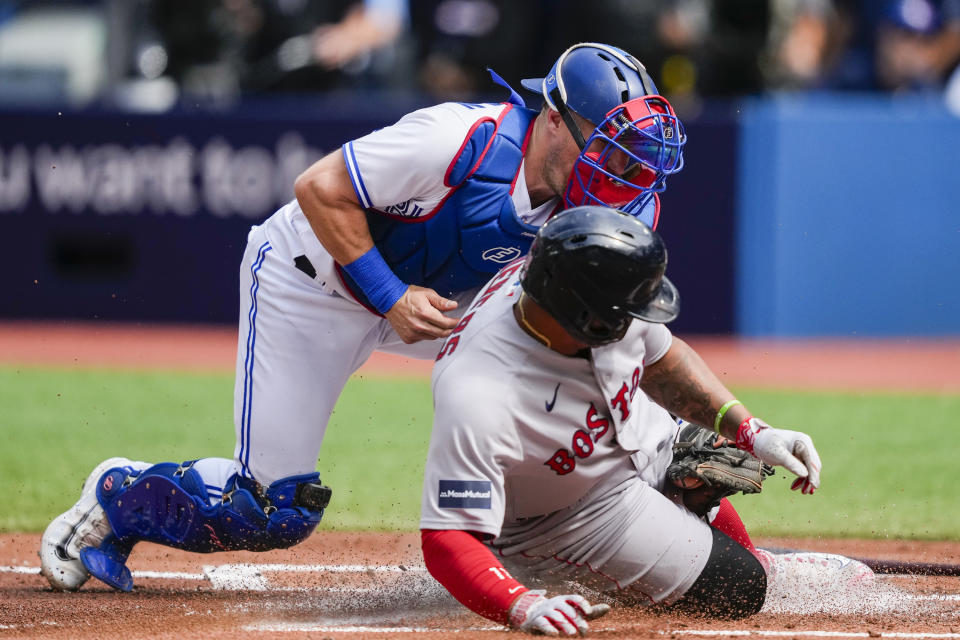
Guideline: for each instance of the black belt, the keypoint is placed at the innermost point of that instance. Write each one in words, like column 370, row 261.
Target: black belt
column 301, row 262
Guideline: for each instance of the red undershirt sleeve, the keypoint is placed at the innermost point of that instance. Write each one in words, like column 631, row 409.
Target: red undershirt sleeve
column 470, row 572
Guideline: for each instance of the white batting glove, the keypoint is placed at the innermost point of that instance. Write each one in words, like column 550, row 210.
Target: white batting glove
column 556, row 616
column 792, row 450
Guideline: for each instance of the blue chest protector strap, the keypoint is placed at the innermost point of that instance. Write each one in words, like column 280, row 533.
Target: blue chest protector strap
column 167, row 504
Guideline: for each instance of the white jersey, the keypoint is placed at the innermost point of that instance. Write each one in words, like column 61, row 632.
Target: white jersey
column 302, row 334
column 400, row 170
column 522, row 431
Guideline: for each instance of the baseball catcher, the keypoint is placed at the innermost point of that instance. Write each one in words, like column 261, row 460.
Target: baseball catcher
column 707, row 468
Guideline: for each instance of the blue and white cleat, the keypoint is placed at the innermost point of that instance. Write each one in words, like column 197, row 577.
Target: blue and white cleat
column 82, row 526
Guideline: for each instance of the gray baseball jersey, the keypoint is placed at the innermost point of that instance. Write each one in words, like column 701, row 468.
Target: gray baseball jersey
column 558, row 460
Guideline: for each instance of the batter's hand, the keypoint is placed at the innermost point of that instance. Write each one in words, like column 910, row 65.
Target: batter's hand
column 418, row 315
column 781, row 447
column 556, row 616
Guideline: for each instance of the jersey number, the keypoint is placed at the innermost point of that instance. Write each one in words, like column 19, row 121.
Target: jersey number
column 451, row 344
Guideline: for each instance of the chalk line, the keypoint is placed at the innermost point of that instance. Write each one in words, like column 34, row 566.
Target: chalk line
column 306, row 627
column 301, row 627
column 794, row 633
column 163, row 575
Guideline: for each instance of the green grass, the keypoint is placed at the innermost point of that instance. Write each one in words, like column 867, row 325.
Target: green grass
column 886, row 459
column 57, row 424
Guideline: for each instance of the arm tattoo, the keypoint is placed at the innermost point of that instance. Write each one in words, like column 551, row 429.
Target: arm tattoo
column 678, row 385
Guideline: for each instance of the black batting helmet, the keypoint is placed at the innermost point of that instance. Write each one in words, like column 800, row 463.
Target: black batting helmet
column 594, row 269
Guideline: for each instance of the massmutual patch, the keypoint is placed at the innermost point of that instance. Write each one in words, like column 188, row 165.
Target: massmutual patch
column 465, row 494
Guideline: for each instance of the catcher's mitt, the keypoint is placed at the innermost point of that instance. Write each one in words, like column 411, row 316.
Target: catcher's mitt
column 709, row 467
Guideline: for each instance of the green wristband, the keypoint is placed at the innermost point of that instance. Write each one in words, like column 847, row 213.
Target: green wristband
column 722, row 412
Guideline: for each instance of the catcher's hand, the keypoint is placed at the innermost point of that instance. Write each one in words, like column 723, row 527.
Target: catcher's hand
column 709, row 467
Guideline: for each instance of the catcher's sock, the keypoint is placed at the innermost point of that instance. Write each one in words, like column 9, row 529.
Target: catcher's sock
column 728, row 521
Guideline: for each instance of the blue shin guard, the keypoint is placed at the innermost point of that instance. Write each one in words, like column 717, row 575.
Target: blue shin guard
column 167, row 504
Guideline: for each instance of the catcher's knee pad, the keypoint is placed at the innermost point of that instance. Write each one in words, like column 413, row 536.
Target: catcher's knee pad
column 733, row 584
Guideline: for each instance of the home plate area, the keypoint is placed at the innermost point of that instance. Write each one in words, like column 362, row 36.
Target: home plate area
column 355, row 585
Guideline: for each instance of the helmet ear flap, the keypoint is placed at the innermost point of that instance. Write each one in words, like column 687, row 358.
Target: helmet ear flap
column 594, row 269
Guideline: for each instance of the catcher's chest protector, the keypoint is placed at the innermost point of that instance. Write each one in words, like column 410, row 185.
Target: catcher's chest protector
column 475, row 230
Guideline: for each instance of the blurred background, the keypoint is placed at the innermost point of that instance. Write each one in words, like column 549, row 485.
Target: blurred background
column 140, row 139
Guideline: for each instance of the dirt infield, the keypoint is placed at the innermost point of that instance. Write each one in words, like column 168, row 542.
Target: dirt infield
column 893, row 364
column 357, row 585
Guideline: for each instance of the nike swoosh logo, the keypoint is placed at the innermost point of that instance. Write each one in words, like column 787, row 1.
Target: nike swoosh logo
column 515, row 589
column 549, row 405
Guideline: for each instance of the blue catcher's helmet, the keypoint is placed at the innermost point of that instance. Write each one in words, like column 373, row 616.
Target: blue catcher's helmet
column 637, row 141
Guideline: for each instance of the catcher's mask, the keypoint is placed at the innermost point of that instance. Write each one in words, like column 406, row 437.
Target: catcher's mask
column 594, row 269
column 637, row 140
